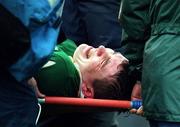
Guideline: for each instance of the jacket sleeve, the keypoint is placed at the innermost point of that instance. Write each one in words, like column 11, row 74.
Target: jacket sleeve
column 42, row 19
column 135, row 23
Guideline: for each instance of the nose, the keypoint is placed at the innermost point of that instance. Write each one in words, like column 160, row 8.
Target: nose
column 101, row 46
column 101, row 50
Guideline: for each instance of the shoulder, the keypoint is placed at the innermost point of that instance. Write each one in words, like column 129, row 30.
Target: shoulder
column 68, row 47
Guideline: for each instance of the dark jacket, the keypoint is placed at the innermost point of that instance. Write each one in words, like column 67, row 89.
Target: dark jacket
column 154, row 26
column 94, row 22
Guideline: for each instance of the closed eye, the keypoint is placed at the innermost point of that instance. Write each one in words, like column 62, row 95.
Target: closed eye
column 105, row 62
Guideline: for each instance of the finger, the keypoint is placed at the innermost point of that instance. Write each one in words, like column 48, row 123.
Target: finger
column 30, row 81
column 133, row 111
column 136, row 92
column 140, row 111
column 38, row 93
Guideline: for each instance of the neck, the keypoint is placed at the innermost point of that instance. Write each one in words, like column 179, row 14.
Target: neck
column 80, row 93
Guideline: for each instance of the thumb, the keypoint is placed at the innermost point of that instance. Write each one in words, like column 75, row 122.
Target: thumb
column 33, row 83
column 38, row 93
column 136, row 92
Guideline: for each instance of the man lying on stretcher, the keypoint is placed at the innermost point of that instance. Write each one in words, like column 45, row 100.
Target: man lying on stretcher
column 85, row 72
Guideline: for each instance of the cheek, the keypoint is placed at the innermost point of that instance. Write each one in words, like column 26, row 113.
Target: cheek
column 95, row 61
column 93, row 66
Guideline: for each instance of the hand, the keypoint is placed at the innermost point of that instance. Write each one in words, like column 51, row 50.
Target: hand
column 138, row 111
column 136, row 95
column 33, row 83
column 136, row 92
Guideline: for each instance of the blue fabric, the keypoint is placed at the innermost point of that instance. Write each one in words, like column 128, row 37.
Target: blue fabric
column 154, row 123
column 18, row 103
column 26, row 10
column 43, row 22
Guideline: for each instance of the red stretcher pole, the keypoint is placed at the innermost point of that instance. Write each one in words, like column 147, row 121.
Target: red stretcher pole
column 103, row 103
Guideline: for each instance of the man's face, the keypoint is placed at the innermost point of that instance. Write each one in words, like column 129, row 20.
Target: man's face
column 98, row 63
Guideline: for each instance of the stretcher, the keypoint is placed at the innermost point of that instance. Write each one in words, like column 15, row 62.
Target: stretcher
column 69, row 104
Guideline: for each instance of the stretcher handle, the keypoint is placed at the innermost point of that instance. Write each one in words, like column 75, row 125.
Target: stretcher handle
column 104, row 103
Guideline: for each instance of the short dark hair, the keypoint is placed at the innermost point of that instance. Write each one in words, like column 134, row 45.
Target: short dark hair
column 118, row 86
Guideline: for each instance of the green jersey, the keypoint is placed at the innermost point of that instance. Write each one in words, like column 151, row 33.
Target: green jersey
column 59, row 77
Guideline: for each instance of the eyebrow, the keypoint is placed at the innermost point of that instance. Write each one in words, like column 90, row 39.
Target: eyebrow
column 105, row 62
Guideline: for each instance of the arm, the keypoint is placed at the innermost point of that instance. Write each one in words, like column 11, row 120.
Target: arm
column 136, row 31
column 39, row 36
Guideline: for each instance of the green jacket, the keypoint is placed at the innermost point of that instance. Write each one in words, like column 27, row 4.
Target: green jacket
column 61, row 78
column 152, row 32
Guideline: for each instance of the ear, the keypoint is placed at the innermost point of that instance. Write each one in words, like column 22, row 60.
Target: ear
column 87, row 90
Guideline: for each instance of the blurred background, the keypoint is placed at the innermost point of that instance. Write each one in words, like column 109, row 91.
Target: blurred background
column 131, row 120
